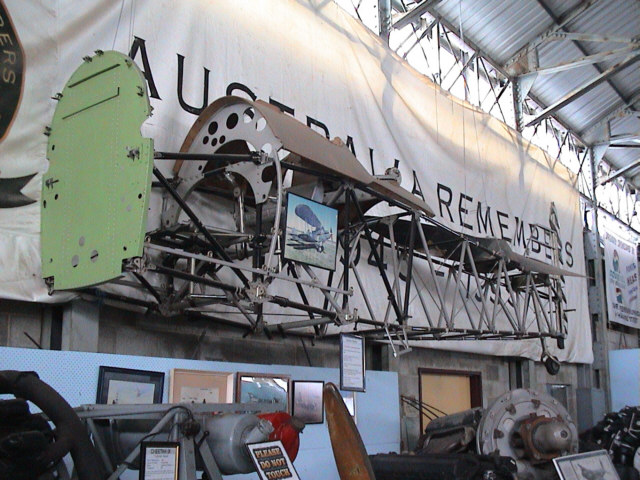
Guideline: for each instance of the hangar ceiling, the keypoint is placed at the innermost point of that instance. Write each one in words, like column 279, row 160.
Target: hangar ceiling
column 575, row 62
column 582, row 56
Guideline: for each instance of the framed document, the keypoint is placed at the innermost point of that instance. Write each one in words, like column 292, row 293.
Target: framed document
column 271, row 461
column 352, row 363
column 159, row 460
column 307, row 401
column 124, row 386
column 200, row 386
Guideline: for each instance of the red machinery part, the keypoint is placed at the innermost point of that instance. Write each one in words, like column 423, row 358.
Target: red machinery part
column 286, row 429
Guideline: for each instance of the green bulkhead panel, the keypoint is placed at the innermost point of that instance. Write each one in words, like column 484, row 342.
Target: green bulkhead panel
column 95, row 194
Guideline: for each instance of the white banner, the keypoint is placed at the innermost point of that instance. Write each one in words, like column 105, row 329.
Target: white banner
column 621, row 278
column 323, row 67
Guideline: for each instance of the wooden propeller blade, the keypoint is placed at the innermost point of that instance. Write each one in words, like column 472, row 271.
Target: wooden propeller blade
column 351, row 456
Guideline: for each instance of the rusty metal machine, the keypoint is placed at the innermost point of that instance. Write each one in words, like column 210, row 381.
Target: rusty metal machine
column 529, row 427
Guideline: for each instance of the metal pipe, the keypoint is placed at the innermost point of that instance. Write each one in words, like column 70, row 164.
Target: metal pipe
column 199, row 225
column 223, row 157
column 216, row 261
column 276, row 223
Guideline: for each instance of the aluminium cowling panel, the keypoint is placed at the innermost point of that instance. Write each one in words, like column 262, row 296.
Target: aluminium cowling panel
column 95, row 193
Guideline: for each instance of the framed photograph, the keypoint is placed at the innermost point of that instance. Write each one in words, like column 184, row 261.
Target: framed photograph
column 200, row 386
column 307, row 403
column 271, row 461
column 129, row 387
column 263, row 388
column 587, row 465
column 159, row 460
column 310, row 233
column 352, row 363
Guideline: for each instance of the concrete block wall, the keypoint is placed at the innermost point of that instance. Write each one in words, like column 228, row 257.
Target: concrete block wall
column 568, row 375
column 126, row 332
column 207, row 340
column 16, row 318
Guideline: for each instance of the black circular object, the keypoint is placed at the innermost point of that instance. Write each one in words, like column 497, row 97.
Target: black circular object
column 232, row 121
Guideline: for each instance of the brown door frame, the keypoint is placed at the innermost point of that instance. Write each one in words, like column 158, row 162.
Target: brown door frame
column 475, row 384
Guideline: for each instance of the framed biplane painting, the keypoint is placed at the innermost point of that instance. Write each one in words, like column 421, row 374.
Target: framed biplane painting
column 311, row 233
column 263, row 388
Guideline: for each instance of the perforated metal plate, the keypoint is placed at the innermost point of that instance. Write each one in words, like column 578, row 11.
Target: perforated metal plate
column 95, row 194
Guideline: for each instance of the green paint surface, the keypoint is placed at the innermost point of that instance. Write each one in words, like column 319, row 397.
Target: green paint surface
column 95, row 194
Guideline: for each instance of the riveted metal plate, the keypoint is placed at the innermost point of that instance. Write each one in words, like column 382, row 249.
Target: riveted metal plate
column 95, row 193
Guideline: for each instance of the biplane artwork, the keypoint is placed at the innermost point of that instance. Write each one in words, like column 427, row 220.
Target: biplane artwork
column 308, row 239
column 210, row 242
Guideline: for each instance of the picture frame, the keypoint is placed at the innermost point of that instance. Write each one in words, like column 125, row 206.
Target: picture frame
column 200, row 386
column 159, row 460
column 307, row 402
column 310, row 235
column 352, row 363
column 127, row 386
column 263, row 388
column 595, row 464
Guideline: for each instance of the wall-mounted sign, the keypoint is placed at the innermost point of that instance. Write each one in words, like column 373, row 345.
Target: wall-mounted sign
column 352, row 363
column 159, row 460
column 621, row 278
column 271, row 461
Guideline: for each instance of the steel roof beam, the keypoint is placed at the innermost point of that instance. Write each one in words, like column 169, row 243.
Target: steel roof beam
column 414, row 15
column 624, row 137
column 621, row 172
column 615, row 139
column 618, row 111
column 584, row 88
column 581, row 48
column 579, row 62
column 398, row 6
column 590, row 37
column 558, row 25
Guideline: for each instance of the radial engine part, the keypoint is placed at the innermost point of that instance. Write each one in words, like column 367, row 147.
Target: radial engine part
column 531, row 427
column 455, row 433
column 228, row 437
column 619, row 434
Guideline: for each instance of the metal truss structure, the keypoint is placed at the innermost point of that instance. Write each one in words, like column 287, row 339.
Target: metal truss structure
column 437, row 283
column 218, row 249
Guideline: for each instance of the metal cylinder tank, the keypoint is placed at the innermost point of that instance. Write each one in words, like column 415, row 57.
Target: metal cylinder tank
column 228, row 437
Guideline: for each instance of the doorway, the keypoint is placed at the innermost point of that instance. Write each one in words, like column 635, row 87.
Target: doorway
column 448, row 391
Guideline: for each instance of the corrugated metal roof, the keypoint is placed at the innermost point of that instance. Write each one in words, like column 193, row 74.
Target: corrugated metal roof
column 501, row 28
